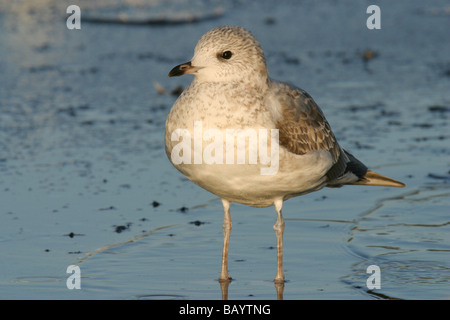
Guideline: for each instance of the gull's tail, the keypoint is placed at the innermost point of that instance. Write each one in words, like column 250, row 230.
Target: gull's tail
column 356, row 173
column 371, row 178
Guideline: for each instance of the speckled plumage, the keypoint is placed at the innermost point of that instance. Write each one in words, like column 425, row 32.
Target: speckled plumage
column 232, row 90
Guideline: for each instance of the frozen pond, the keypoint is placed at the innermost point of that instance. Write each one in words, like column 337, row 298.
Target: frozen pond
column 84, row 179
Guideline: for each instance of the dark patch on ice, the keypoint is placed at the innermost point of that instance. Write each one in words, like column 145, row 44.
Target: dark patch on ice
column 439, row 108
column 155, row 204
column 197, row 223
column 119, row 229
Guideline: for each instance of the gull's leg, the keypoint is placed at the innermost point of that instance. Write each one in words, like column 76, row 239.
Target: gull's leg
column 279, row 229
column 279, row 286
column 224, row 284
column 224, row 276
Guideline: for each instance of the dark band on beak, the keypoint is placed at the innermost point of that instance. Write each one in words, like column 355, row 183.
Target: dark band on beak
column 180, row 69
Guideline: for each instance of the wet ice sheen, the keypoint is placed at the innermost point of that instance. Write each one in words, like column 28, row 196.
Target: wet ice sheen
column 79, row 119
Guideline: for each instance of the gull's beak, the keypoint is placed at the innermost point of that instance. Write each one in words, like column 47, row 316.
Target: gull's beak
column 184, row 68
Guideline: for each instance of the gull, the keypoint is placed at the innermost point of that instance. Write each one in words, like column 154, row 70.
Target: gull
column 231, row 93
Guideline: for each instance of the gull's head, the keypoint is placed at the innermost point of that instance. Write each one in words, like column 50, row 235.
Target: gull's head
column 226, row 54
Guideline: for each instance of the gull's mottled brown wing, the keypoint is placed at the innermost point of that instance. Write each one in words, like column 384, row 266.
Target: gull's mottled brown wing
column 303, row 127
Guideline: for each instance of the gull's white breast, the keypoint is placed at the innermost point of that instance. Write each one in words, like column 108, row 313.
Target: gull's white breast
column 221, row 107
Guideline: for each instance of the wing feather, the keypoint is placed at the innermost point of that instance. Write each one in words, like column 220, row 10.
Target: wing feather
column 304, row 128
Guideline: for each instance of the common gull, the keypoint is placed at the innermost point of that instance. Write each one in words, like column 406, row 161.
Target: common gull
column 252, row 140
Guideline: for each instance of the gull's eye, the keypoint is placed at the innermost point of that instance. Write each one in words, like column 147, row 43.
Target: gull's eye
column 226, row 55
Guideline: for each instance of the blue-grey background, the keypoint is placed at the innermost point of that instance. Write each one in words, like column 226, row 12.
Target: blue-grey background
column 84, row 179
